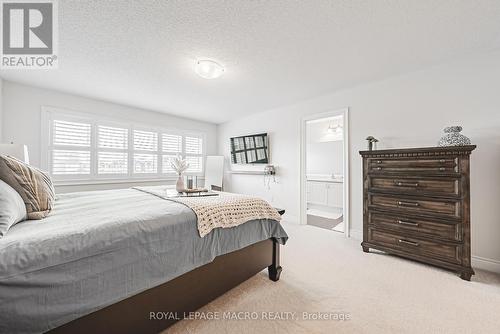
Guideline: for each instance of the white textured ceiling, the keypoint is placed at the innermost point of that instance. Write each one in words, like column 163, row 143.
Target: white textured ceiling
column 276, row 52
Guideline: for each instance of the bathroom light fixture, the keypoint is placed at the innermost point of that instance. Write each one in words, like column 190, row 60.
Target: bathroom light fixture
column 334, row 129
column 208, row 69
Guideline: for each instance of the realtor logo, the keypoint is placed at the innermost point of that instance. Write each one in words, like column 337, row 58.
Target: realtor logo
column 29, row 34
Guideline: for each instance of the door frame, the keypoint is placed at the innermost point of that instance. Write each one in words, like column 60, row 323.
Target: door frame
column 303, row 177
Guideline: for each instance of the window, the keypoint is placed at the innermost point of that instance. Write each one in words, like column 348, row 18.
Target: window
column 194, row 154
column 171, row 147
column 71, row 148
column 145, row 152
column 112, row 154
column 80, row 147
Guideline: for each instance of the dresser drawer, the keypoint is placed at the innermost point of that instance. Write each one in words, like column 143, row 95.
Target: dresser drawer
column 414, row 165
column 443, row 251
column 440, row 207
column 420, row 226
column 415, row 185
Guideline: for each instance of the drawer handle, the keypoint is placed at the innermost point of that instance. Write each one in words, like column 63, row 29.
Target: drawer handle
column 379, row 161
column 405, row 184
column 413, row 204
column 402, row 241
column 442, row 169
column 442, row 161
column 402, row 222
column 378, row 168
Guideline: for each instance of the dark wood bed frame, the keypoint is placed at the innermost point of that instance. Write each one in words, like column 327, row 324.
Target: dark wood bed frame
column 182, row 295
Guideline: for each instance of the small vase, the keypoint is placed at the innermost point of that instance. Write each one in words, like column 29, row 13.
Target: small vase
column 453, row 137
column 179, row 186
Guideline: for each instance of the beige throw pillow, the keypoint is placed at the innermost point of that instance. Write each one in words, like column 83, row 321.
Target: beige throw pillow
column 33, row 185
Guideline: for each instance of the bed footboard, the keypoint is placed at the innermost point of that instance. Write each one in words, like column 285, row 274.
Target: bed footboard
column 181, row 295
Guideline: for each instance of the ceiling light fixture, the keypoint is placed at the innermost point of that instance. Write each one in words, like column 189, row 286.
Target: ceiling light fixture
column 208, row 69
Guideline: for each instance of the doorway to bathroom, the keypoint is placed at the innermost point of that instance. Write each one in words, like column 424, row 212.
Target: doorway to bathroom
column 324, row 171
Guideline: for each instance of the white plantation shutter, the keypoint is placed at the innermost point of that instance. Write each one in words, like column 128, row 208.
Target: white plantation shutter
column 145, row 163
column 166, row 166
column 194, row 154
column 111, row 137
column 112, row 163
column 194, row 145
column 112, row 154
column 171, row 143
column 71, row 148
column 66, row 162
column 145, row 141
column 71, row 134
column 195, row 164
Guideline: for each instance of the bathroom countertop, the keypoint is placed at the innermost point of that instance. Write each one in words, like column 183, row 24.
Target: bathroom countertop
column 320, row 178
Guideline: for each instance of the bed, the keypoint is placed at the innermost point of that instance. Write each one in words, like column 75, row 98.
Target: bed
column 103, row 261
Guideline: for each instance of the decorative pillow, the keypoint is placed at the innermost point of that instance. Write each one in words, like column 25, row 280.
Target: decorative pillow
column 12, row 208
column 33, row 185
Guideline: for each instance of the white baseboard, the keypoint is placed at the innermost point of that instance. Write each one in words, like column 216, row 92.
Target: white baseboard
column 356, row 234
column 485, row 264
column 477, row 261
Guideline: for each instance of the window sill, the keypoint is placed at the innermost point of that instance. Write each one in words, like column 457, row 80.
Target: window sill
column 113, row 181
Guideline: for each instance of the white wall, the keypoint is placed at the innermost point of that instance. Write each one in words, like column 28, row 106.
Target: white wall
column 325, row 158
column 22, row 117
column 405, row 111
column 324, row 155
column 1, row 107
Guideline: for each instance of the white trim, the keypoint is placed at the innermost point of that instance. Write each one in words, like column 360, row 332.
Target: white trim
column 356, row 234
column 115, row 181
column 347, row 179
column 303, row 197
column 44, row 140
column 485, row 264
column 248, row 172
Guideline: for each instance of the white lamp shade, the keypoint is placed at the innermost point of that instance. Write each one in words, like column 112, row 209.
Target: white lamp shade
column 18, row 151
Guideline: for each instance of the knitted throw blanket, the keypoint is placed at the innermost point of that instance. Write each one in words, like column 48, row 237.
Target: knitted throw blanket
column 225, row 210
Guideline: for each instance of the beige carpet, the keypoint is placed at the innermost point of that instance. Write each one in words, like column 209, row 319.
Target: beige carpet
column 325, row 272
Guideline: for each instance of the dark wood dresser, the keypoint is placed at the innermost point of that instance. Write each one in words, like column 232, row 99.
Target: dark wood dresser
column 417, row 205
